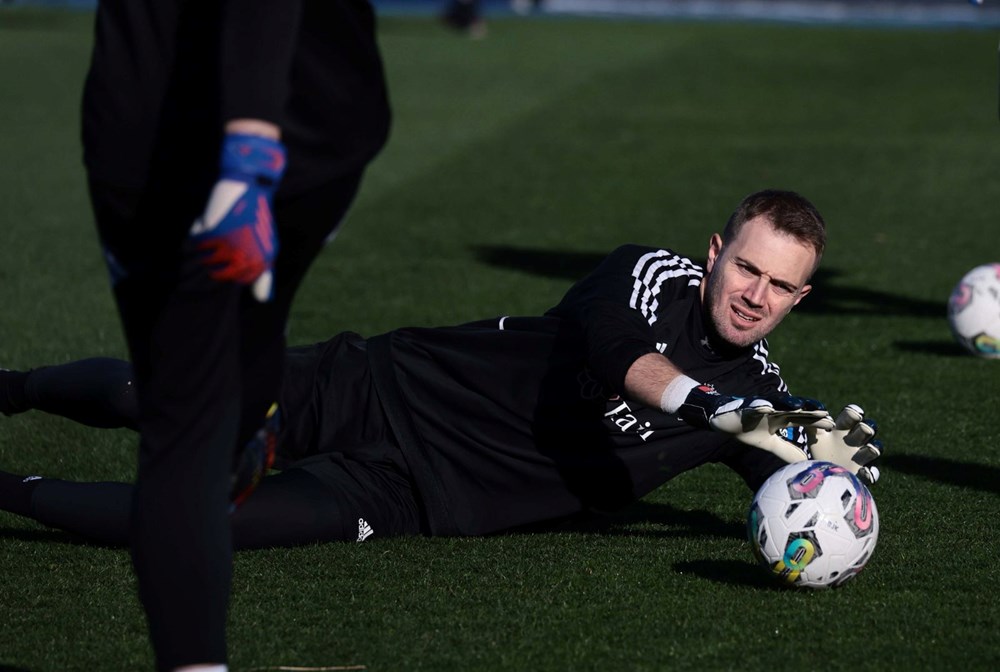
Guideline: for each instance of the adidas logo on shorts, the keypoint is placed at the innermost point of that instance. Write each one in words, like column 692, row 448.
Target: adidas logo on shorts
column 364, row 530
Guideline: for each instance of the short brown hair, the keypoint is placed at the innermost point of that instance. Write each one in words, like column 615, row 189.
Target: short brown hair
column 787, row 211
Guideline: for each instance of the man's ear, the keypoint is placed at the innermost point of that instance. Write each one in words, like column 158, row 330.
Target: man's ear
column 714, row 250
column 802, row 293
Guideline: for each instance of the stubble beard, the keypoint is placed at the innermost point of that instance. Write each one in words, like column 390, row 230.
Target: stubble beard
column 721, row 318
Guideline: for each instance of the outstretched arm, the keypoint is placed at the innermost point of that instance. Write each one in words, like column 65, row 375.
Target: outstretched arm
column 756, row 421
column 648, row 378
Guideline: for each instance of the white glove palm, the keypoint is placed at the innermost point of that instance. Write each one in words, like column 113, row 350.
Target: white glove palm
column 760, row 425
column 851, row 443
column 757, row 421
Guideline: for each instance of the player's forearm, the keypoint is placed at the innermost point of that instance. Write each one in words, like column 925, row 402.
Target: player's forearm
column 655, row 381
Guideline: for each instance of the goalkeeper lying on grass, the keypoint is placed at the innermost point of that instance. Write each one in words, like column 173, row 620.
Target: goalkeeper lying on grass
column 648, row 367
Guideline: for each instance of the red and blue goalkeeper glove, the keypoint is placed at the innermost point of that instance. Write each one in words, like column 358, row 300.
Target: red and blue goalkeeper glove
column 236, row 237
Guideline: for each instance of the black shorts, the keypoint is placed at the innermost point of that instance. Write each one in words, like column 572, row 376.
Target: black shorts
column 357, row 496
column 343, row 476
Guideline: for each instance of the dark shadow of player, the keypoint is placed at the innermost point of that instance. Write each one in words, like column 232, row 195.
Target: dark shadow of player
column 949, row 472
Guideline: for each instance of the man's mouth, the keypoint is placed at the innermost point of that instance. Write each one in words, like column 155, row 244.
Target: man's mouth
column 746, row 317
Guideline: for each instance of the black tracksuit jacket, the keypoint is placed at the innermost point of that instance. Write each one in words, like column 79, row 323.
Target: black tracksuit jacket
column 516, row 420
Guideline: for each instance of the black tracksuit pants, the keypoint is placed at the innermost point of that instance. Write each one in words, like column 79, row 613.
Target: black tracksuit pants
column 208, row 362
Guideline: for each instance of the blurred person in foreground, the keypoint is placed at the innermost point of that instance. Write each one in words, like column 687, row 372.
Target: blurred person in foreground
column 224, row 142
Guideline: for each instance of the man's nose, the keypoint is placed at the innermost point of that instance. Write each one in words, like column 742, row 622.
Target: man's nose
column 756, row 292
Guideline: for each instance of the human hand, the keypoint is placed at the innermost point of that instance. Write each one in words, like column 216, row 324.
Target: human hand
column 756, row 421
column 253, row 462
column 851, row 443
column 235, row 237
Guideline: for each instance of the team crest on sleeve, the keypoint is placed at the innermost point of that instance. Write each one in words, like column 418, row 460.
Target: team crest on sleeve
column 590, row 388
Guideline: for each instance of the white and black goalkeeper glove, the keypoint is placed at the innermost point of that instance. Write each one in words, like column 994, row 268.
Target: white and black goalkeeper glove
column 756, row 421
column 851, row 443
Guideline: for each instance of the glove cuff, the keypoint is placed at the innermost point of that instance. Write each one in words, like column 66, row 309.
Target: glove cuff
column 700, row 405
column 676, row 392
column 252, row 156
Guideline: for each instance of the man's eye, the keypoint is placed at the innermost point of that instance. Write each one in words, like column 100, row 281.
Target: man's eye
column 783, row 290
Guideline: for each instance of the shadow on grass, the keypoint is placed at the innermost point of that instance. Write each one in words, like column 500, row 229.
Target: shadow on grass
column 863, row 301
column 825, row 297
column 680, row 523
column 939, row 348
column 543, row 263
column 636, row 521
column 12, row 668
column 950, row 472
column 732, row 572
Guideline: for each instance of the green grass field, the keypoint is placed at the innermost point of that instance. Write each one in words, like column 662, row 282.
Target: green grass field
column 515, row 162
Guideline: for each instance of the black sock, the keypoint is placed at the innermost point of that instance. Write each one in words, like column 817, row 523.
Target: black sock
column 16, row 491
column 13, row 398
column 99, row 512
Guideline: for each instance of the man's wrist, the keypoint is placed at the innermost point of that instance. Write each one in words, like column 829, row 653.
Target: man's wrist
column 259, row 127
column 676, row 392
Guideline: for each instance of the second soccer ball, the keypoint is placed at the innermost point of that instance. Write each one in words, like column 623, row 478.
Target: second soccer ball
column 974, row 311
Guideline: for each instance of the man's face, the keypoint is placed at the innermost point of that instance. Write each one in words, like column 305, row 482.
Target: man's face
column 754, row 280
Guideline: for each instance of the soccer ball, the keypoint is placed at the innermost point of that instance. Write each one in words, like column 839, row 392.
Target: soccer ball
column 974, row 311
column 813, row 524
